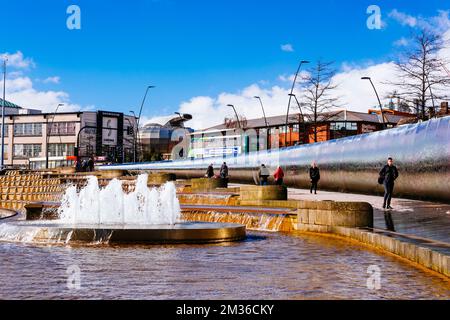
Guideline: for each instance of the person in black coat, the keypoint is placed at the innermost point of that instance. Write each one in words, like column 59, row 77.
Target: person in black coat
column 224, row 172
column 314, row 174
column 210, row 172
column 388, row 175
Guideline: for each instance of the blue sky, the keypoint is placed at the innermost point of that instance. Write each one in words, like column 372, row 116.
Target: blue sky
column 190, row 48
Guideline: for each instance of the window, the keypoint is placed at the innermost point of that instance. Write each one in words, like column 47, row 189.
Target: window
column 5, row 154
column 61, row 149
column 283, row 129
column 28, row 129
column 341, row 126
column 62, row 129
column 27, row 150
column 6, row 130
column 296, row 128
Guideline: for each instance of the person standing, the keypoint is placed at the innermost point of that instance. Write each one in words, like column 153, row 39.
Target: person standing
column 210, row 171
column 224, row 171
column 314, row 175
column 279, row 176
column 264, row 174
column 388, row 175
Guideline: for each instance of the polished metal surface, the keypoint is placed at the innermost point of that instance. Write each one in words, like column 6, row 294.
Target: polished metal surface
column 421, row 153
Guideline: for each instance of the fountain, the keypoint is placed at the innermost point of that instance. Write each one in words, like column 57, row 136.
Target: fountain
column 109, row 215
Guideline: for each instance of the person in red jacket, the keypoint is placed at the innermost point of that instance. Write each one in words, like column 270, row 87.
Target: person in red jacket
column 279, row 176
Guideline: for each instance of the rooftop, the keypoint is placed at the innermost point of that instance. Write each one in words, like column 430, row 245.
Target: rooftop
column 339, row 115
column 9, row 104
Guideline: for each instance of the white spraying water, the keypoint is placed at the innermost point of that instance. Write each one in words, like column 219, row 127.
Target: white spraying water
column 112, row 206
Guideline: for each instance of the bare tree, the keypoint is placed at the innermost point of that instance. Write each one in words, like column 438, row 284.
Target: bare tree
column 421, row 73
column 318, row 99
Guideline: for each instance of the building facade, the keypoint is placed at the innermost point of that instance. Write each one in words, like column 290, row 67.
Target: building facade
column 33, row 139
column 255, row 135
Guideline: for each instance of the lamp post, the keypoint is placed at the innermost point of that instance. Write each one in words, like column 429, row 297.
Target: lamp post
column 136, row 134
column 140, row 110
column 181, row 117
column 134, row 139
column 2, row 163
column 265, row 120
column 301, row 112
column 264, row 112
column 237, row 117
column 378, row 97
column 49, row 132
column 290, row 97
column 142, row 105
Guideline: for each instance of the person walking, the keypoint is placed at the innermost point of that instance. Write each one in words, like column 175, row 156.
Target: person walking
column 279, row 176
column 210, row 171
column 314, row 175
column 84, row 165
column 264, row 174
column 224, row 171
column 91, row 164
column 388, row 175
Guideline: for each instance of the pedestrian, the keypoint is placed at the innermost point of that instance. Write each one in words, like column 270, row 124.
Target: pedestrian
column 91, row 164
column 210, row 171
column 264, row 174
column 224, row 171
column 279, row 176
column 78, row 165
column 84, row 165
column 388, row 175
column 314, row 175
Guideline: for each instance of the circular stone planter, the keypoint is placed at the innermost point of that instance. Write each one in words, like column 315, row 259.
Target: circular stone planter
column 204, row 184
column 111, row 174
column 252, row 193
column 160, row 178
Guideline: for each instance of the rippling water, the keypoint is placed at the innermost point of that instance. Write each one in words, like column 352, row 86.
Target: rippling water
column 266, row 266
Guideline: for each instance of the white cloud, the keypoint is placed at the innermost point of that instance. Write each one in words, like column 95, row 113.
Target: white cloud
column 17, row 60
column 402, row 42
column 355, row 94
column 403, row 18
column 438, row 23
column 21, row 91
column 54, row 80
column 287, row 47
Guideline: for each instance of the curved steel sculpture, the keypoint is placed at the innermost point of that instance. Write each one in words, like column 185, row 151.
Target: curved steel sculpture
column 421, row 152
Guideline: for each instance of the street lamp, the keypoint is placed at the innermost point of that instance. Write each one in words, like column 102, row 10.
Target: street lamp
column 301, row 112
column 378, row 97
column 136, row 135
column 262, row 106
column 265, row 119
column 237, row 117
column 49, row 132
column 290, row 97
column 142, row 105
column 181, row 117
column 2, row 162
column 132, row 125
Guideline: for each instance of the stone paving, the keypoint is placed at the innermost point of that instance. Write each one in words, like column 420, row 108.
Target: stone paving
column 424, row 219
